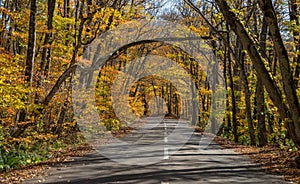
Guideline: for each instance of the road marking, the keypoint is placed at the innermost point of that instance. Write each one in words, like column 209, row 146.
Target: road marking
column 166, row 153
column 166, row 150
column 164, row 182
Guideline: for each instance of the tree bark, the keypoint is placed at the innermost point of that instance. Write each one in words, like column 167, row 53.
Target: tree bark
column 293, row 113
column 31, row 42
column 29, row 65
column 263, row 74
column 259, row 94
column 294, row 17
column 66, row 8
column 46, row 53
column 233, row 102
column 194, row 97
column 248, row 100
column 231, row 84
column 261, row 118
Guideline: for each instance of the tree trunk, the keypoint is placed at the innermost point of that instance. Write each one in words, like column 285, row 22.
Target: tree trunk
column 260, row 100
column 61, row 119
column 294, row 17
column 194, row 97
column 29, row 66
column 31, row 42
column 144, row 100
column 248, row 101
column 66, row 8
column 46, row 53
column 233, row 100
column 263, row 74
column 170, row 100
column 293, row 113
column 260, row 96
column 227, row 118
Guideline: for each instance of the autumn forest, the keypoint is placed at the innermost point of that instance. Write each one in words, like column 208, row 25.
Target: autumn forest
column 44, row 43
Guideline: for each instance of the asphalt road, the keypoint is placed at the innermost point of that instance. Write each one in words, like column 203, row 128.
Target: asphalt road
column 160, row 152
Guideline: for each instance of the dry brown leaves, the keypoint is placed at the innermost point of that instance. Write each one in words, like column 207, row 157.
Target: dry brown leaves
column 122, row 132
column 269, row 157
column 19, row 175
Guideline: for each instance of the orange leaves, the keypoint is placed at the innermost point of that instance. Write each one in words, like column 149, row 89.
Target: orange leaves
column 202, row 30
column 12, row 85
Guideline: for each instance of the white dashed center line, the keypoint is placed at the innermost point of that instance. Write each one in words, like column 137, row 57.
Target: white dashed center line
column 166, row 150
